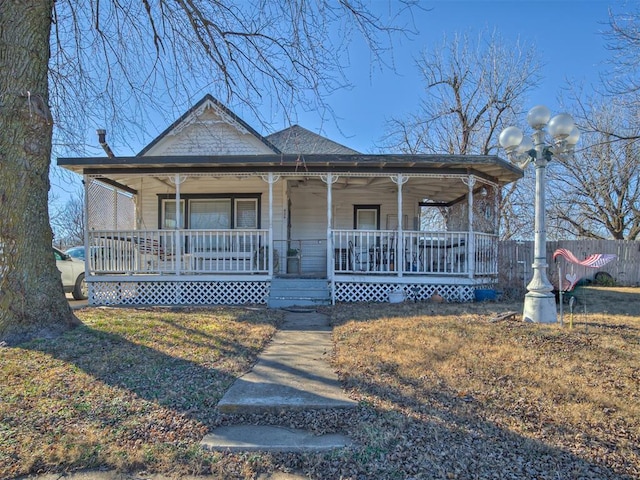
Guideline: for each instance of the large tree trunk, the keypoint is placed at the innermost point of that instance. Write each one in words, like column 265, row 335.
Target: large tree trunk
column 32, row 302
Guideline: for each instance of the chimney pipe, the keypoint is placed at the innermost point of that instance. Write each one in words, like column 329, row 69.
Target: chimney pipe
column 102, row 133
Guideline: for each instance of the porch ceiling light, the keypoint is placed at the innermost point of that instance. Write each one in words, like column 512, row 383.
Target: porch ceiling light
column 551, row 137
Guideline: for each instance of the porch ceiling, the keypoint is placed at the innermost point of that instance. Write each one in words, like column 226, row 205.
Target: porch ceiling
column 441, row 190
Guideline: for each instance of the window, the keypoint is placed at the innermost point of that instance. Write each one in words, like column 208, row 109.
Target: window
column 366, row 217
column 211, row 212
column 169, row 214
column 246, row 214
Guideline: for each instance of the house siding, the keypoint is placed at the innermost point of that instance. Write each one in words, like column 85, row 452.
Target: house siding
column 309, row 208
column 309, row 203
column 210, row 135
column 309, row 215
column 150, row 189
column 345, row 201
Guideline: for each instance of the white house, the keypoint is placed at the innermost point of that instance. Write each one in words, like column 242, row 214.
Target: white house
column 211, row 212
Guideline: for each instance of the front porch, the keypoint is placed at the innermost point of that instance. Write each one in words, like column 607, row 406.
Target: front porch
column 238, row 266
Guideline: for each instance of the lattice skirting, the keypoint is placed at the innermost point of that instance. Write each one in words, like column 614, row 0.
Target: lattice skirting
column 379, row 292
column 178, row 293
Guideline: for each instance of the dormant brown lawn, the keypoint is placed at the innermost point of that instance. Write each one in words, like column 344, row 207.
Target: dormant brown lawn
column 559, row 399
column 444, row 391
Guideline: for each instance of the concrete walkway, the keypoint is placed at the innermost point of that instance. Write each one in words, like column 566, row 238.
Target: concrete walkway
column 292, row 373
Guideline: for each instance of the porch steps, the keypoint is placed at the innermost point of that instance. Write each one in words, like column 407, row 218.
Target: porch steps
column 301, row 292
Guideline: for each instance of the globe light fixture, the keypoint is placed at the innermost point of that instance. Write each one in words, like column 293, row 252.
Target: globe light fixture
column 551, row 137
column 538, row 117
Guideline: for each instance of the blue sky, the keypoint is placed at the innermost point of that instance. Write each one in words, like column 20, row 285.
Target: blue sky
column 565, row 33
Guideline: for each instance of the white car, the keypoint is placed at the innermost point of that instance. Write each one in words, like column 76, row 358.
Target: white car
column 72, row 272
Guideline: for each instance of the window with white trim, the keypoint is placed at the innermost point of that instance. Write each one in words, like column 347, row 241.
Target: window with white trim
column 246, row 213
column 169, row 218
column 211, row 212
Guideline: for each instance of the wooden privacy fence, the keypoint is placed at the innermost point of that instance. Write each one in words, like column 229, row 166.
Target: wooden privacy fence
column 515, row 259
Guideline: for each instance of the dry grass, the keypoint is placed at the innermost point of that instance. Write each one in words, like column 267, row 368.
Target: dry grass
column 444, row 393
column 132, row 388
column 568, row 396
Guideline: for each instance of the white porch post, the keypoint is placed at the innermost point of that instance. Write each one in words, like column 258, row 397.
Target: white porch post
column 471, row 248
column 400, row 229
column 87, row 180
column 329, row 222
column 270, row 180
column 178, row 239
column 400, row 180
column 329, row 179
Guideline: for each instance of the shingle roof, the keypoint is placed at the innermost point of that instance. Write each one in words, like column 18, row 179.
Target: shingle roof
column 298, row 140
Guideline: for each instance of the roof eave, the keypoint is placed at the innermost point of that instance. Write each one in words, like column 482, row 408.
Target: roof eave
column 458, row 164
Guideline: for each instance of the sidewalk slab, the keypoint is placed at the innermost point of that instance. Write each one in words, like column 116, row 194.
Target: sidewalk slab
column 292, row 373
column 248, row 438
column 113, row 475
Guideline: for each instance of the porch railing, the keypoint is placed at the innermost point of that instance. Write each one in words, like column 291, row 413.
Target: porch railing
column 178, row 251
column 486, row 252
column 362, row 252
column 421, row 253
column 436, row 252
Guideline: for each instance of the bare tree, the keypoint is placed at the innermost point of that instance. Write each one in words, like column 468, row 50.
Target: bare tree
column 150, row 55
column 67, row 221
column 597, row 194
column 623, row 40
column 474, row 87
column 516, row 208
column 102, row 63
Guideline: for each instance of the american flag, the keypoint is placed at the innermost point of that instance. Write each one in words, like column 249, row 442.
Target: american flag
column 595, row 260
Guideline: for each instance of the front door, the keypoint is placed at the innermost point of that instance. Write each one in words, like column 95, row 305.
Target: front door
column 308, row 227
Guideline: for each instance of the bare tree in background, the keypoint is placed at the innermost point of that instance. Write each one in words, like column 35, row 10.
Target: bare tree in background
column 78, row 65
column 597, row 194
column 623, row 40
column 473, row 87
column 157, row 57
column 67, row 222
column 621, row 84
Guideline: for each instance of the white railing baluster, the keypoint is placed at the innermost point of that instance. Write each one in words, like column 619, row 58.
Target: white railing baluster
column 366, row 252
column 422, row 253
column 158, row 251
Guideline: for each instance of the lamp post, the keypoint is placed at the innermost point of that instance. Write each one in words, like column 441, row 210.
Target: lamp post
column 539, row 302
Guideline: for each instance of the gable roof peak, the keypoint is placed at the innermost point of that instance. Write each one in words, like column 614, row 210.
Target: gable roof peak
column 192, row 116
